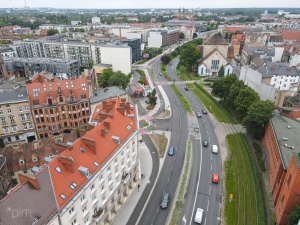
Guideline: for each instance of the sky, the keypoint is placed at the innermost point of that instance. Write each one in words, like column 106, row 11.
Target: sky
column 104, row 4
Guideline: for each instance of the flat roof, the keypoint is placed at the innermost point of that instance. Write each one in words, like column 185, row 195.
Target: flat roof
column 106, row 93
column 41, row 60
column 18, row 95
column 287, row 138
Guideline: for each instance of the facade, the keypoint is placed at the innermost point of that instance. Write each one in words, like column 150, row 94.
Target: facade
column 26, row 67
column 58, row 106
column 295, row 58
column 215, row 42
column 5, row 178
column 96, row 20
column 211, row 64
column 283, row 162
column 275, row 40
column 135, row 45
column 238, row 42
column 288, row 37
column 199, row 26
column 84, row 52
column 89, row 181
column 163, row 37
column 136, row 34
column 16, row 124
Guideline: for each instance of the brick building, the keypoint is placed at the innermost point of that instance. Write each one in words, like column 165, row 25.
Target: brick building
column 58, row 106
column 281, row 141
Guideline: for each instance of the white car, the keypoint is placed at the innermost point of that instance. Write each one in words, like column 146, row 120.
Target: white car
column 199, row 216
column 214, row 149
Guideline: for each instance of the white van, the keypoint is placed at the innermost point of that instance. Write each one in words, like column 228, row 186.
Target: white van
column 214, row 149
column 199, row 216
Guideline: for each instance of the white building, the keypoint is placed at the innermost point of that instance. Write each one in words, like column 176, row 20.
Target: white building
column 76, row 22
column 162, row 37
column 96, row 20
column 136, row 34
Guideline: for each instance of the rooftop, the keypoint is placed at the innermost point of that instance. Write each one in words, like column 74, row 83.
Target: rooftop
column 41, row 60
column 287, row 132
column 106, row 93
column 17, row 94
column 215, row 40
column 277, row 68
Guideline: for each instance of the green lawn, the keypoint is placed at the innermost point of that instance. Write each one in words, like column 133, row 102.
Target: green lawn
column 184, row 101
column 184, row 74
column 212, row 104
column 247, row 205
column 163, row 69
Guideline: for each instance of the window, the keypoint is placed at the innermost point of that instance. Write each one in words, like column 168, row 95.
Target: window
column 6, row 130
column 289, row 180
column 92, row 187
column 94, row 197
column 83, row 96
column 82, row 198
column 71, row 210
column 215, row 64
column 109, row 178
column 9, row 139
column 3, row 120
column 28, row 116
column 26, row 108
column 36, row 102
column 22, row 117
column 12, row 119
column 108, row 168
column 1, row 112
column 20, row 109
column 14, row 128
column 21, row 162
column 84, row 209
column 17, row 138
column 74, row 222
column 8, row 110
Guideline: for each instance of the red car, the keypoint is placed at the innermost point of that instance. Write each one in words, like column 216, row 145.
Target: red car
column 215, row 178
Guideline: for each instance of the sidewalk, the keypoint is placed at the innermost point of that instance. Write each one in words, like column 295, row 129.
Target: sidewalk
column 126, row 210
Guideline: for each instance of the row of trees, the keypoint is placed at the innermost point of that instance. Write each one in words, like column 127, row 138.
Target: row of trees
column 243, row 100
column 110, row 78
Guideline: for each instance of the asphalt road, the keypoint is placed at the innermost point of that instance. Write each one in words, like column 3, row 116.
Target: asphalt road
column 201, row 193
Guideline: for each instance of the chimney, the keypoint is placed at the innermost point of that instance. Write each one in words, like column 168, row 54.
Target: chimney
column 32, row 180
column 91, row 127
column 67, row 162
column 122, row 104
column 109, row 107
column 60, row 147
column 103, row 132
column 107, row 124
column 273, row 68
column 104, row 105
column 121, row 110
column 90, row 143
column 82, row 132
column 127, row 107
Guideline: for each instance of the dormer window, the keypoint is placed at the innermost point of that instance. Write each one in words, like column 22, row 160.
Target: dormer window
column 21, row 162
column 58, row 169
column 62, row 196
column 34, row 159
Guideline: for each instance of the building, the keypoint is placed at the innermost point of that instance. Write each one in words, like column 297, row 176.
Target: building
column 288, row 37
column 96, row 20
column 26, row 67
column 252, row 54
column 135, row 45
column 199, row 26
column 215, row 42
column 162, row 38
column 272, row 81
column 212, row 63
column 16, row 121
column 58, row 106
column 5, row 178
column 136, row 34
column 89, row 181
column 275, row 40
column 295, row 58
column 281, row 141
column 238, row 42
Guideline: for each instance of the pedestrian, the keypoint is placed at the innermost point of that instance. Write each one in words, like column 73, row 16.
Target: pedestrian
column 138, row 187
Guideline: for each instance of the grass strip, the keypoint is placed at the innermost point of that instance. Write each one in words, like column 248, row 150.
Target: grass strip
column 184, row 101
column 183, row 182
column 163, row 69
column 212, row 105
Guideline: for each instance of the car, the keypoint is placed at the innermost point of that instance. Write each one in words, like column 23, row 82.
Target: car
column 214, row 149
column 186, row 88
column 215, row 178
column 160, row 74
column 198, row 114
column 171, row 151
column 165, row 201
column 199, row 216
column 204, row 111
column 205, row 143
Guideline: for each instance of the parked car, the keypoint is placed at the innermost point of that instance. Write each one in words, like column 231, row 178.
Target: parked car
column 205, row 143
column 165, row 201
column 171, row 151
column 186, row 88
column 198, row 114
column 204, row 111
column 215, row 178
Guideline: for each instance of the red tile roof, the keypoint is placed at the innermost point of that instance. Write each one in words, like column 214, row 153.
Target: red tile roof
column 234, row 29
column 44, row 82
column 118, row 124
column 291, row 35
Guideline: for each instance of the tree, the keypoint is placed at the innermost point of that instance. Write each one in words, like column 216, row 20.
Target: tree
column 181, row 35
column 195, row 35
column 52, row 32
column 219, row 33
column 221, row 71
column 104, row 77
column 118, row 79
column 166, row 58
column 258, row 114
column 152, row 97
column 221, row 87
column 27, row 36
column 245, row 98
column 90, row 64
column 294, row 216
column 189, row 56
column 233, row 93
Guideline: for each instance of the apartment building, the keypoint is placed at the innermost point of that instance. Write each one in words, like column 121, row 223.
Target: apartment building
column 27, row 67
column 16, row 125
column 159, row 38
column 135, row 45
column 281, row 141
column 272, row 81
column 58, row 106
column 5, row 178
column 117, row 54
column 88, row 182
column 199, row 26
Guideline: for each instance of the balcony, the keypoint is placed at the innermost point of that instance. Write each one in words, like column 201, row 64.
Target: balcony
column 98, row 215
column 125, row 178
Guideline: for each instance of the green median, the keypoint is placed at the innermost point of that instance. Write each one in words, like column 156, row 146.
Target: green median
column 184, row 101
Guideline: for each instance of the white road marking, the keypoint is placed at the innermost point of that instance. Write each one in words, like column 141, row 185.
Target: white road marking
column 207, row 206
column 205, row 221
column 211, row 167
column 209, row 190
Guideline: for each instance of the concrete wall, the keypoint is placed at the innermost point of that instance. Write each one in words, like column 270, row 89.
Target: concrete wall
column 155, row 40
column 295, row 61
column 278, row 54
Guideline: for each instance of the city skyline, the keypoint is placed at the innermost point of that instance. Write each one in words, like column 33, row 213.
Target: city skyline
column 121, row 4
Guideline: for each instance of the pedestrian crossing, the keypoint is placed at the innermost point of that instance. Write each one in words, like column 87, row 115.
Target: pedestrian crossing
column 147, row 117
column 142, row 131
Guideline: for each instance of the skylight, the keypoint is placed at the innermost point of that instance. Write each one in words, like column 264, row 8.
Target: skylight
column 73, row 185
column 58, row 169
column 128, row 127
column 62, row 196
column 96, row 164
column 82, row 150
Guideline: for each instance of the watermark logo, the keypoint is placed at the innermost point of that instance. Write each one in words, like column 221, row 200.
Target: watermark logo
column 19, row 212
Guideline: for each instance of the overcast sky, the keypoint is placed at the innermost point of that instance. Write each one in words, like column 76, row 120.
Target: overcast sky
column 105, row 4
